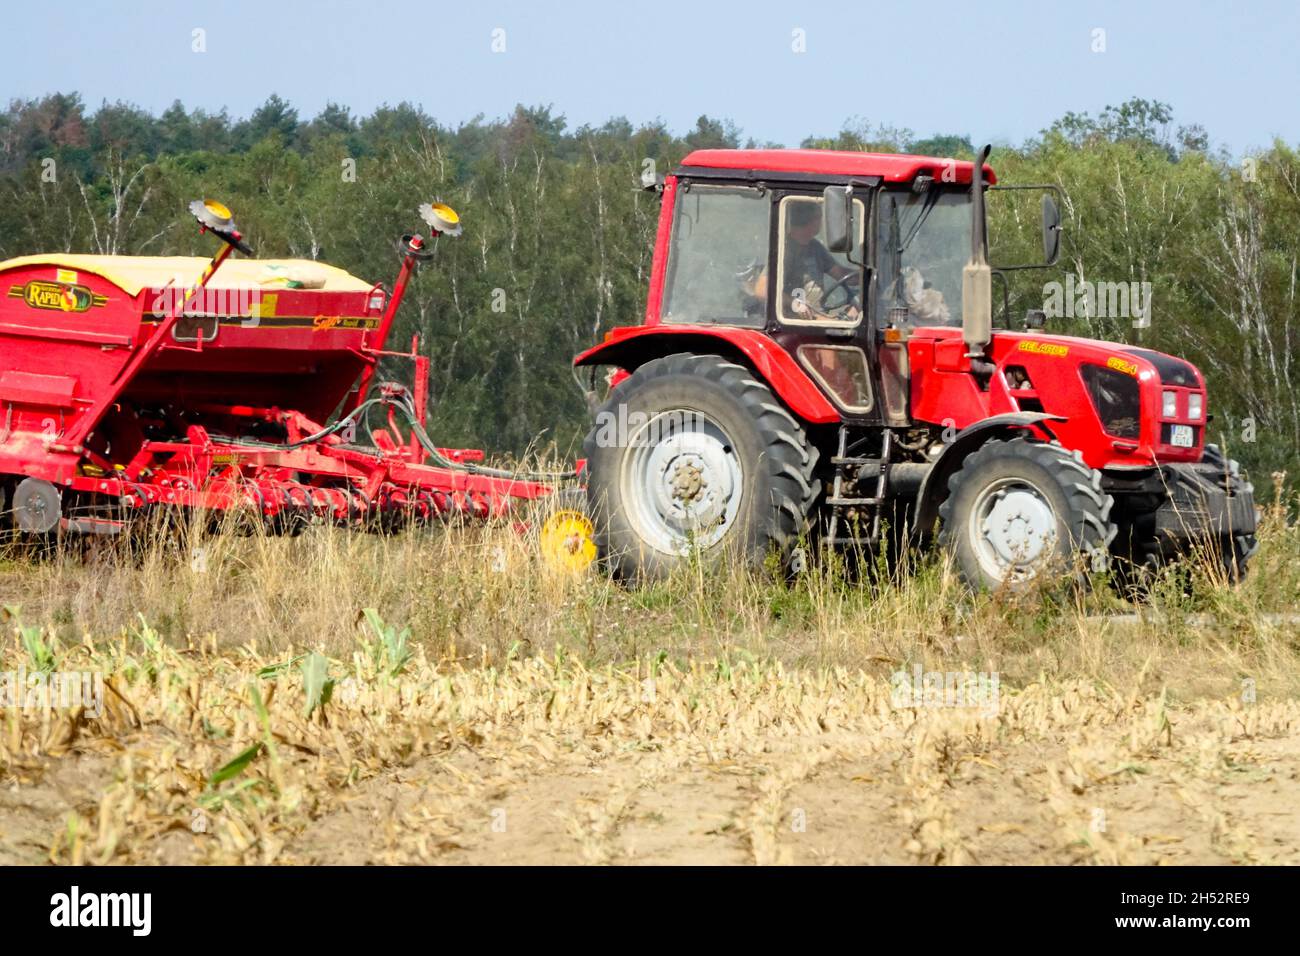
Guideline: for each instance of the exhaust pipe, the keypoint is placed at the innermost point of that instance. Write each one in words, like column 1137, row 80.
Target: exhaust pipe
column 976, row 276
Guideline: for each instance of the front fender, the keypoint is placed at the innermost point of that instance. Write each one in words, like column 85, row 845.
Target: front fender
column 935, row 484
column 630, row 348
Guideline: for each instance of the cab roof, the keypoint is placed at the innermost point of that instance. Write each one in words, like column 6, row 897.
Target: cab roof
column 890, row 167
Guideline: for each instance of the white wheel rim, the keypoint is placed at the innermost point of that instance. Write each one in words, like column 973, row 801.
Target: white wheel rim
column 1013, row 529
column 682, row 482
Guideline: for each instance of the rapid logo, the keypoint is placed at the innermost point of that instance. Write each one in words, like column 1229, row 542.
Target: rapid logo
column 40, row 294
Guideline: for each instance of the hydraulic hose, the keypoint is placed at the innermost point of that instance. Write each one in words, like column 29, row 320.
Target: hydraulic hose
column 404, row 405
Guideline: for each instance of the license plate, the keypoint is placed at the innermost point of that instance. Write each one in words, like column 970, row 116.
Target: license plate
column 1182, row 436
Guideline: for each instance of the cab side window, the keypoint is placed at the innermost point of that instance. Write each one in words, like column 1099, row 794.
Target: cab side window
column 816, row 285
column 718, row 257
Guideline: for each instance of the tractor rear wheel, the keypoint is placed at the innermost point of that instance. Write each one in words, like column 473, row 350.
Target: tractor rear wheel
column 692, row 456
column 1017, row 508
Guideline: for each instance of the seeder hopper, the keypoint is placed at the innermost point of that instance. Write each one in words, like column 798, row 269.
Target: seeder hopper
column 131, row 384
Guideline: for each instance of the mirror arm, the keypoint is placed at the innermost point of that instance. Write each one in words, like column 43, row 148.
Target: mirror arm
column 1059, row 193
column 1000, row 276
column 848, row 214
column 854, row 185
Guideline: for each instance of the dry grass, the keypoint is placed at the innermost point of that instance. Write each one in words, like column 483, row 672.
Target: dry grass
column 720, row 717
column 480, row 595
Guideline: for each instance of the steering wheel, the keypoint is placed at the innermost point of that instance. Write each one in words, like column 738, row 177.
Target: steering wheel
column 850, row 295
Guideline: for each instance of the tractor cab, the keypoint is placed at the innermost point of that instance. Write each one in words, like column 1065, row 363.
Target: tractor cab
column 822, row 252
column 818, row 358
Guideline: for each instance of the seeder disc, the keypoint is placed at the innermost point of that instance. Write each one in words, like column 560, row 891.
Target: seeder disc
column 212, row 214
column 566, row 540
column 441, row 218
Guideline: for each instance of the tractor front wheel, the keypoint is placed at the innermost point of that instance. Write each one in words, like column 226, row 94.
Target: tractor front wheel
column 692, row 457
column 1018, row 508
column 1237, row 547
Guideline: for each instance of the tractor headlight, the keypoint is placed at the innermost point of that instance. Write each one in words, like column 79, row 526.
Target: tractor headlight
column 1168, row 404
column 1195, row 406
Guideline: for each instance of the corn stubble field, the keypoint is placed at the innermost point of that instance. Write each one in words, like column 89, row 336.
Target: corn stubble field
column 444, row 697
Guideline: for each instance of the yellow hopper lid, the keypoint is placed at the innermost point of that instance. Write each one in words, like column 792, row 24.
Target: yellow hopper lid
column 133, row 273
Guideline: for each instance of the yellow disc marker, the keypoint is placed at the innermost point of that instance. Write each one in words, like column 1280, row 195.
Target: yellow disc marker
column 212, row 214
column 218, row 209
column 566, row 540
column 441, row 218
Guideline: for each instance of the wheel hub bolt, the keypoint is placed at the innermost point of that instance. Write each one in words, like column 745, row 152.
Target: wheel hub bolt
column 687, row 482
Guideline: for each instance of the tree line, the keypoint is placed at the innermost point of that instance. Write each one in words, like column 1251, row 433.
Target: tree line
column 559, row 237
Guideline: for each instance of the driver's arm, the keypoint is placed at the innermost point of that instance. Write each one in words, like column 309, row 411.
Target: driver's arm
column 851, row 277
column 828, row 264
column 838, row 271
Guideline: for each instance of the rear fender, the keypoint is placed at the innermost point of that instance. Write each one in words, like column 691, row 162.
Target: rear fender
column 631, row 348
column 934, row 487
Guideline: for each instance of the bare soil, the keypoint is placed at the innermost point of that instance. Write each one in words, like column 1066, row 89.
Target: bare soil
column 555, row 764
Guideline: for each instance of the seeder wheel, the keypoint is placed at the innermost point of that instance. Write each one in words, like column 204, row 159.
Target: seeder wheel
column 37, row 506
column 566, row 535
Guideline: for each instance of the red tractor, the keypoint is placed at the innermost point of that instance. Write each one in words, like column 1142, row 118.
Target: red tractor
column 818, row 362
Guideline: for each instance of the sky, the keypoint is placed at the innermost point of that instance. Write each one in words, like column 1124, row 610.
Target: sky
column 998, row 72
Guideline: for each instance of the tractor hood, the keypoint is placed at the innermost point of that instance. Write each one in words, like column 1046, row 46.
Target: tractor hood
column 1122, row 406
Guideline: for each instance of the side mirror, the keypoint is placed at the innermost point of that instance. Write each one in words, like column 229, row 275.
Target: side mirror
column 838, row 218
column 1035, row 319
column 1051, row 230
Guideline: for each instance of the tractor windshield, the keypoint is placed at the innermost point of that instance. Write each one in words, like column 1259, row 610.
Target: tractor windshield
column 923, row 242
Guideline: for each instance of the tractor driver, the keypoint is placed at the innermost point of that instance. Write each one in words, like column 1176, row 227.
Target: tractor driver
column 805, row 265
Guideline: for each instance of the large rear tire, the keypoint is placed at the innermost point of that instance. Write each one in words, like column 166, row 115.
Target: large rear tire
column 692, row 457
column 1018, row 509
